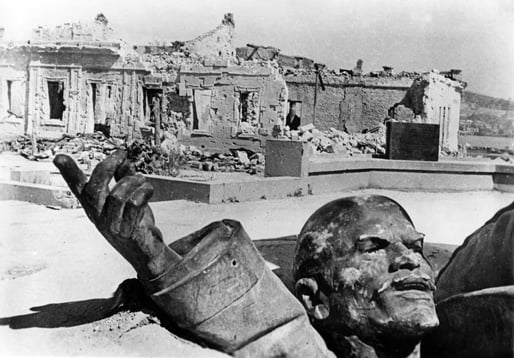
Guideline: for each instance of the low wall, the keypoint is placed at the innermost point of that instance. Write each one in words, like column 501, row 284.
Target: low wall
column 38, row 193
column 319, row 175
column 343, row 176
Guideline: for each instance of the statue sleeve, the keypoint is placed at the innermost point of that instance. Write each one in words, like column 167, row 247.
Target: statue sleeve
column 223, row 293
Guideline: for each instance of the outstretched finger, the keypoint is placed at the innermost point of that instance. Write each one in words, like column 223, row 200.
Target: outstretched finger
column 97, row 189
column 125, row 169
column 72, row 174
column 136, row 208
column 115, row 204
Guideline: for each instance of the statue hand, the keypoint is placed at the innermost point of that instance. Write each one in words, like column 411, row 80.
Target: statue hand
column 122, row 215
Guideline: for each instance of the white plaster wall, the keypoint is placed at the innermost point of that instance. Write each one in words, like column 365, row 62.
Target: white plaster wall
column 12, row 124
column 216, row 44
column 442, row 92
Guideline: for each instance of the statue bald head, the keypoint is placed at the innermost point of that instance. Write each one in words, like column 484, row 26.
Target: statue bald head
column 359, row 269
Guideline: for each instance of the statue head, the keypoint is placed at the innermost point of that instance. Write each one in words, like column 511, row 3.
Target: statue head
column 360, row 271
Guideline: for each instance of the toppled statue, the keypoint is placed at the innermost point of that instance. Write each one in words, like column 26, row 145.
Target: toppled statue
column 362, row 277
column 360, row 274
column 213, row 283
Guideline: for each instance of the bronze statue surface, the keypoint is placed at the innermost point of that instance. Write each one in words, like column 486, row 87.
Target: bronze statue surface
column 359, row 272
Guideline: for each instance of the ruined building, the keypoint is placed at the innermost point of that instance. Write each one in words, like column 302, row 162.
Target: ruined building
column 355, row 102
column 78, row 78
column 69, row 79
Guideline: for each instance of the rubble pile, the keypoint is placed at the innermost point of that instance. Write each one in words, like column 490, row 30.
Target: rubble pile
column 149, row 159
column 85, row 148
column 168, row 159
column 335, row 141
column 168, row 62
column 235, row 160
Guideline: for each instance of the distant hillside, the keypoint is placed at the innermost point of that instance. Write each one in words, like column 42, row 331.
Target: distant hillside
column 480, row 100
column 485, row 115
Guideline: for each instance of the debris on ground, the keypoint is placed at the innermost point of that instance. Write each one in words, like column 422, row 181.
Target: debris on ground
column 234, row 160
column 167, row 159
column 335, row 141
column 149, row 159
column 83, row 147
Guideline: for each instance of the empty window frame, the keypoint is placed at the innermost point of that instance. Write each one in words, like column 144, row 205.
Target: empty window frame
column 56, row 99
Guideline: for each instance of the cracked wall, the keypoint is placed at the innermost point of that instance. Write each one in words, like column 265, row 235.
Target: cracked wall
column 346, row 103
column 232, row 102
column 13, row 85
column 199, row 88
column 441, row 105
column 215, row 44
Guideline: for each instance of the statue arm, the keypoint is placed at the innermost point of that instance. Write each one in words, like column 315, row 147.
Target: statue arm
column 213, row 283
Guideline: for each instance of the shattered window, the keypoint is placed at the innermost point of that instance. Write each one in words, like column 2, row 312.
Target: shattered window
column 9, row 96
column 14, row 98
column 56, row 99
column 293, row 118
column 244, row 106
column 248, row 107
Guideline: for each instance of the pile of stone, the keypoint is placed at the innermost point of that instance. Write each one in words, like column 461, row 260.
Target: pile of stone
column 234, row 160
column 167, row 159
column 149, row 159
column 171, row 156
column 335, row 141
column 85, row 148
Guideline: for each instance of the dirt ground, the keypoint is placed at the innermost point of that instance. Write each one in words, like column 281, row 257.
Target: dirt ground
column 57, row 274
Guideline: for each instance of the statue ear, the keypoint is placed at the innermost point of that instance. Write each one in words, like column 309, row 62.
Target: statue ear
column 312, row 298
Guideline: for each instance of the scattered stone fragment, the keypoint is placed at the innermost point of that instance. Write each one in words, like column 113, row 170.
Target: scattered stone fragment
column 243, row 157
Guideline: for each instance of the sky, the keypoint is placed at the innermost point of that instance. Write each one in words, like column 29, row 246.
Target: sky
column 412, row 35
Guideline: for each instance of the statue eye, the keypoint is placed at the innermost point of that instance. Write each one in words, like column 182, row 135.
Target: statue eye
column 372, row 244
column 417, row 245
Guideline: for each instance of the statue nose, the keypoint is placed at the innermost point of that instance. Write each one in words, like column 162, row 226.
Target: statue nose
column 406, row 260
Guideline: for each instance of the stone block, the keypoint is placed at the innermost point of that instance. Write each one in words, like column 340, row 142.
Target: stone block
column 286, row 158
column 306, row 127
column 412, row 141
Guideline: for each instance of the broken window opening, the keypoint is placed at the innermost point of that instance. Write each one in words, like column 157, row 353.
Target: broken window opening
column 56, row 99
column 152, row 103
column 195, row 119
column 293, row 119
column 9, row 96
column 145, row 96
column 248, row 107
column 247, row 111
column 93, row 96
column 109, row 91
column 243, row 103
column 444, row 123
column 202, row 110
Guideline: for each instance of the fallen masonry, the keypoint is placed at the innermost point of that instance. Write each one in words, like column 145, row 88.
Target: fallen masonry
column 81, row 78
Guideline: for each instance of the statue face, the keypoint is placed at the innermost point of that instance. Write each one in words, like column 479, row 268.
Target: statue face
column 367, row 260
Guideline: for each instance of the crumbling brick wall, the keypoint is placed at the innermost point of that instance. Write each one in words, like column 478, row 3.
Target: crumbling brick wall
column 441, row 105
column 98, row 30
column 215, row 44
column 74, row 77
column 176, row 109
column 351, row 104
column 232, row 102
column 13, row 82
column 56, row 90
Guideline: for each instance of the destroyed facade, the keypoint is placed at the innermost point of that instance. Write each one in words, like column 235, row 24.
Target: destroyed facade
column 78, row 78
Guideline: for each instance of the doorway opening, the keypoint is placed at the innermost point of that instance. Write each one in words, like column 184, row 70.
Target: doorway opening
column 294, row 115
column 56, row 99
column 9, row 96
column 152, row 103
